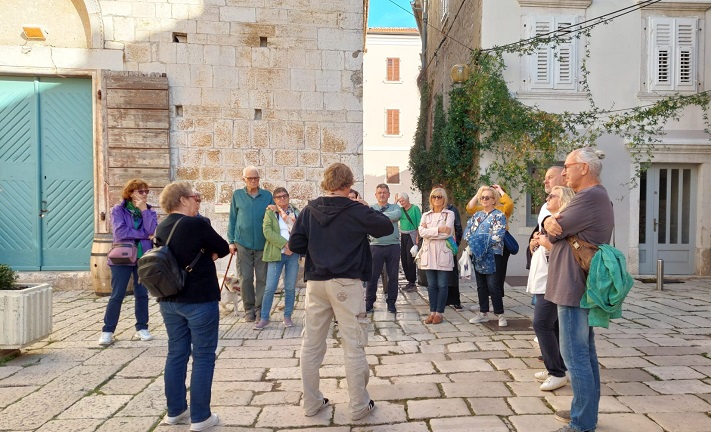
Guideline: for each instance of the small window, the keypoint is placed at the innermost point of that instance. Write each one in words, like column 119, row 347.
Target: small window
column 553, row 67
column 673, row 53
column 392, row 175
column 393, row 69
column 392, row 122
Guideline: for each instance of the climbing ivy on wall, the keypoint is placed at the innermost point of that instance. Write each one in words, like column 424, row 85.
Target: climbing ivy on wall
column 484, row 118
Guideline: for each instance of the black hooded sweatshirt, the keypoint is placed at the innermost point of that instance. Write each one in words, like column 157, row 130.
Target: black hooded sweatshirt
column 332, row 232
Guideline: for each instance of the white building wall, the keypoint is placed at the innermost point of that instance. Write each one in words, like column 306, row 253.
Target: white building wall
column 617, row 64
column 381, row 150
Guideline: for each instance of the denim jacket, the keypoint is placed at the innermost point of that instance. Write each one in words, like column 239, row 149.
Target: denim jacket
column 485, row 235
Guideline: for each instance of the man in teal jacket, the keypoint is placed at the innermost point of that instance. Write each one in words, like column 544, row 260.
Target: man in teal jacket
column 246, row 239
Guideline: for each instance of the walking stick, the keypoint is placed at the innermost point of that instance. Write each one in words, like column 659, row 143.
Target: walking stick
column 224, row 279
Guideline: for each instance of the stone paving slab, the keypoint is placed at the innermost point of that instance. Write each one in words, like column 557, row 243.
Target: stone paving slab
column 455, row 376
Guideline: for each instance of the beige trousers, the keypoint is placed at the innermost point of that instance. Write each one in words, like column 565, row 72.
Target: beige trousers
column 346, row 299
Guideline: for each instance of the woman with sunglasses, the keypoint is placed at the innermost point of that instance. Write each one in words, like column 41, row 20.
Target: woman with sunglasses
column 485, row 235
column 191, row 316
column 279, row 219
column 436, row 259
column 132, row 221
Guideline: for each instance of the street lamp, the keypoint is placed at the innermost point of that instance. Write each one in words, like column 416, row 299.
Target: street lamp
column 459, row 73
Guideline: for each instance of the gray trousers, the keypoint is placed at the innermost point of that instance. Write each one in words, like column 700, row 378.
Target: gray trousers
column 249, row 265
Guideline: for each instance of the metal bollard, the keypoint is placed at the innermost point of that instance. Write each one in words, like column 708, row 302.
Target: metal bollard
column 660, row 274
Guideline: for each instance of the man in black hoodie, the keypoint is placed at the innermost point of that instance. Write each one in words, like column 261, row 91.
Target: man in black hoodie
column 332, row 231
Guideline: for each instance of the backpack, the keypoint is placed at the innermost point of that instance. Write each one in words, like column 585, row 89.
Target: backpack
column 160, row 273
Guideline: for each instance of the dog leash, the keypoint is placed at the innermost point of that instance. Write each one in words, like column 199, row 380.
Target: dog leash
column 224, row 279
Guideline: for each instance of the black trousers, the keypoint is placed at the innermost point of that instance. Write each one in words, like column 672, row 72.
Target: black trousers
column 390, row 255
column 406, row 258
column 545, row 324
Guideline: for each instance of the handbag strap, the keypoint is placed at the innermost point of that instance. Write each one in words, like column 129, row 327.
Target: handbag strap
column 408, row 216
column 190, row 266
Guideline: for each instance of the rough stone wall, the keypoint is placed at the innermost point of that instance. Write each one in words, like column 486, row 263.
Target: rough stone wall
column 276, row 84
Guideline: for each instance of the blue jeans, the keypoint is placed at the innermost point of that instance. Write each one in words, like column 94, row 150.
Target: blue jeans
column 437, row 289
column 290, row 265
column 119, row 283
column 577, row 345
column 189, row 324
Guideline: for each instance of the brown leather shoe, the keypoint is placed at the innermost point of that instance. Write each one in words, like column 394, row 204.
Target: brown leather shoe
column 437, row 319
column 429, row 319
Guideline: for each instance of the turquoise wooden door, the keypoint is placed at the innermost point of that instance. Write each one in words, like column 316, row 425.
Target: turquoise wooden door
column 46, row 173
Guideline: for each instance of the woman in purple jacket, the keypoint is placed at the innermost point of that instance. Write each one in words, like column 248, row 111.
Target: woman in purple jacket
column 133, row 220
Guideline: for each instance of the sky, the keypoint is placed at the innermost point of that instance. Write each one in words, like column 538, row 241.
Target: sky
column 383, row 13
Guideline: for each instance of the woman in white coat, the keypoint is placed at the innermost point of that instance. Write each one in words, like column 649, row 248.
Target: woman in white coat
column 436, row 258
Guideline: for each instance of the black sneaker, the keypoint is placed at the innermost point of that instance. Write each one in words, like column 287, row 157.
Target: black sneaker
column 392, row 309
column 458, row 307
column 324, row 404
column 371, row 407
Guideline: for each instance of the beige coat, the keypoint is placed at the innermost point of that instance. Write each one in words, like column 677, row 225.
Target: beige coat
column 435, row 254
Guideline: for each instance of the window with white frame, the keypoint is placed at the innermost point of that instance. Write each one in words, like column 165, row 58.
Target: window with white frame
column 673, row 53
column 392, row 122
column 392, row 72
column 554, row 66
column 444, row 7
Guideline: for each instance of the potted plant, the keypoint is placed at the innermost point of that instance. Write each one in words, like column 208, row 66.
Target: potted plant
column 25, row 310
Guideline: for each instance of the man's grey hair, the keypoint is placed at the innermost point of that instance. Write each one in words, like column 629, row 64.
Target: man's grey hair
column 405, row 196
column 593, row 157
column 248, row 169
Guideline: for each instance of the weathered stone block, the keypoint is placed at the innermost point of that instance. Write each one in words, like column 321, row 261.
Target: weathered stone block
column 241, row 134
column 260, row 135
column 138, row 52
column 213, row 157
column 223, row 133
column 200, row 74
column 302, row 80
column 287, row 100
column 224, row 77
column 328, row 80
column 295, row 173
column 260, row 57
column 285, row 157
column 225, row 192
column 333, row 60
column 200, row 139
column 204, row 124
column 339, row 39
column 124, row 29
column 207, row 188
column 232, row 157
column 231, row 14
column 187, row 173
column 143, row 9
column 309, row 158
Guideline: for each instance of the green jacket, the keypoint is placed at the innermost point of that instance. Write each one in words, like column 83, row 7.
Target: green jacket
column 608, row 284
column 275, row 242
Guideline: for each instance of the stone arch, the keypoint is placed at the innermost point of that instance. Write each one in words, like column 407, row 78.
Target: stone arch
column 90, row 13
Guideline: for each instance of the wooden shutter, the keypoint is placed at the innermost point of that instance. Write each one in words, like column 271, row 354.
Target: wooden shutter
column 393, row 122
column 393, row 69
column 564, row 62
column 662, row 37
column 541, row 73
column 685, row 53
column 392, row 175
column 137, row 123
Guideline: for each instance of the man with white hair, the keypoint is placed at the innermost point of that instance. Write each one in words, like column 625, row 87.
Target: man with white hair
column 408, row 238
column 589, row 216
column 246, row 239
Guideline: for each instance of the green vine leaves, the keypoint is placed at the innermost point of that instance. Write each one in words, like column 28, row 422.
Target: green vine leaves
column 485, row 121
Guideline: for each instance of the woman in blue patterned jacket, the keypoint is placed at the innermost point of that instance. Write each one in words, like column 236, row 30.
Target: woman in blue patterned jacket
column 485, row 235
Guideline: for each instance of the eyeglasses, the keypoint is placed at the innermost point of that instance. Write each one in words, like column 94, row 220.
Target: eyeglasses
column 567, row 166
column 196, row 196
column 486, row 198
column 551, row 196
column 252, row 178
column 143, row 191
column 437, row 197
column 281, row 196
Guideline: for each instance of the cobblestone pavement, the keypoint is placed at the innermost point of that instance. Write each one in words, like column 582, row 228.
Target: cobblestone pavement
column 456, row 376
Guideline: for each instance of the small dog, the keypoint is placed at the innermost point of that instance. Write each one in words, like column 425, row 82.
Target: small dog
column 231, row 293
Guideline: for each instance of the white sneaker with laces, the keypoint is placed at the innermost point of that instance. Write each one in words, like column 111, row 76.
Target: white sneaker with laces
column 185, row 415
column 541, row 376
column 106, row 338
column 502, row 321
column 553, row 383
column 479, row 318
column 143, row 335
column 211, row 421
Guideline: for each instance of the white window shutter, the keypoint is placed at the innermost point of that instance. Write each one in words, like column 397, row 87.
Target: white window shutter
column 662, row 54
column 685, row 55
column 541, row 71
column 564, row 63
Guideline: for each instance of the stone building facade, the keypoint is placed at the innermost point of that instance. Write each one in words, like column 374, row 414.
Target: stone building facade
column 276, row 84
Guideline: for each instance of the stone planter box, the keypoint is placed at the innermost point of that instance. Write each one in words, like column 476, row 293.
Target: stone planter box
column 25, row 316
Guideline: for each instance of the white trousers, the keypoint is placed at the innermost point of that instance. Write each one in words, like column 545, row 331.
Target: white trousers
column 346, row 299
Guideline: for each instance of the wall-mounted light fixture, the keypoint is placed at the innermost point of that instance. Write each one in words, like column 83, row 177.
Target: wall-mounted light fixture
column 33, row 32
column 459, row 73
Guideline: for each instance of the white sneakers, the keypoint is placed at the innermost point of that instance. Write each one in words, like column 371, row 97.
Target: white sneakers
column 479, row 318
column 211, row 421
column 106, row 338
column 550, row 382
column 143, row 335
column 185, row 415
column 484, row 317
